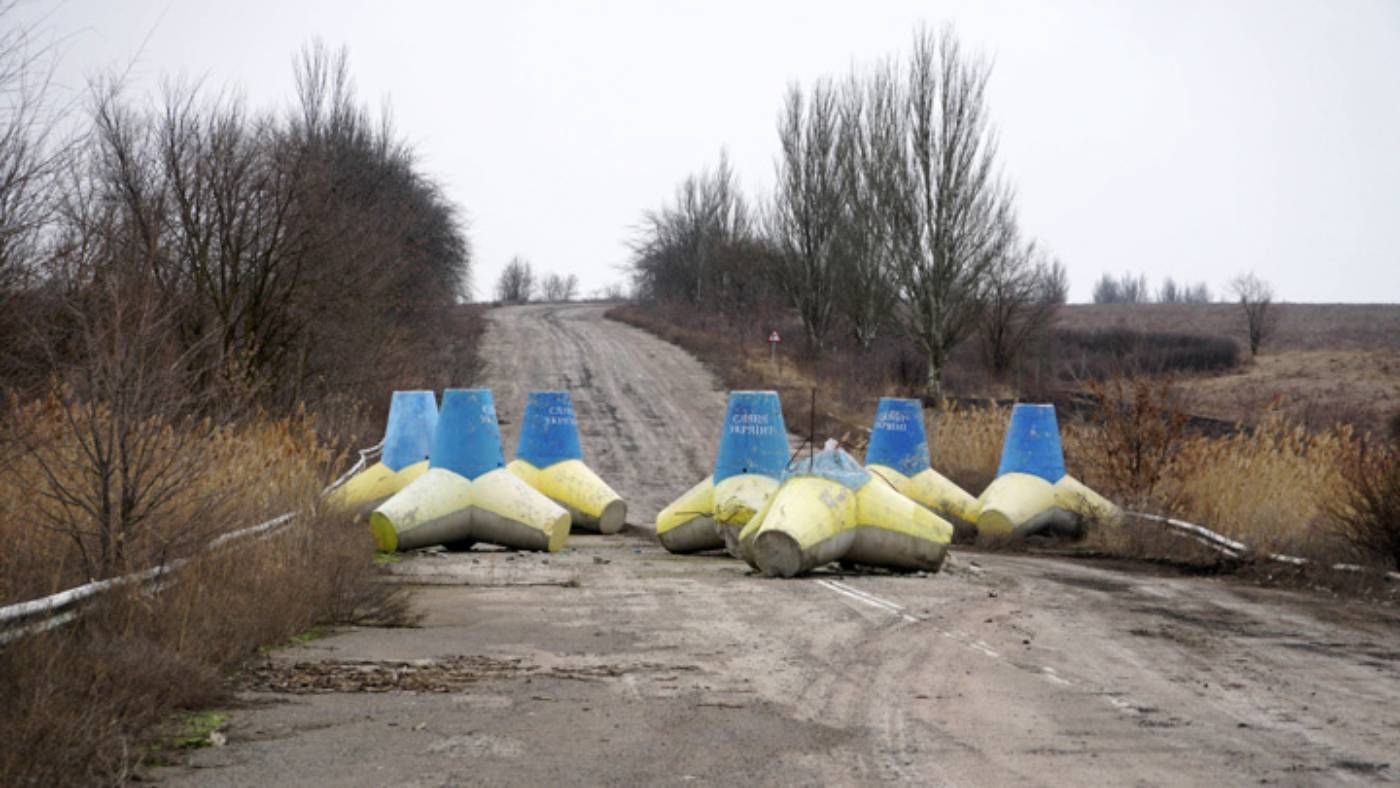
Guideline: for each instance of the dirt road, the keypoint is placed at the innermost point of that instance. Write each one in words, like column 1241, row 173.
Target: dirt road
column 615, row 662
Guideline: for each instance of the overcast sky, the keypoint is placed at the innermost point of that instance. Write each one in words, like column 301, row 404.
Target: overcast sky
column 1195, row 140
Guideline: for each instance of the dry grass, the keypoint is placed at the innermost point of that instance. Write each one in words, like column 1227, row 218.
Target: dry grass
column 79, row 701
column 1314, row 387
column 1326, row 363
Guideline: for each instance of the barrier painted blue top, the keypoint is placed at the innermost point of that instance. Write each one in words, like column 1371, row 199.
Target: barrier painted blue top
column 408, row 437
column 1033, row 444
column 549, row 433
column 833, row 465
column 754, row 439
column 468, row 439
column 898, row 440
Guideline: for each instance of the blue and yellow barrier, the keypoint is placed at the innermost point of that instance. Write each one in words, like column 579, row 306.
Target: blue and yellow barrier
column 899, row 453
column 408, row 440
column 467, row 495
column 548, row 458
column 1032, row 492
column 829, row 509
column 753, row 451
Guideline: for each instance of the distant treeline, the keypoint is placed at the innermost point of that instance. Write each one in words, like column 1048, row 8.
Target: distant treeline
column 1134, row 289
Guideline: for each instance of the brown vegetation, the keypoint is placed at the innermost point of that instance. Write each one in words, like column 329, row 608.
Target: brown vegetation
column 196, row 304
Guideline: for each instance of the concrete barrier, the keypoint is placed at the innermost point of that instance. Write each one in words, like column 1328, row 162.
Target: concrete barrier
column 549, row 459
column 467, row 495
column 753, row 451
column 408, row 440
column 1032, row 492
column 829, row 509
column 899, row 453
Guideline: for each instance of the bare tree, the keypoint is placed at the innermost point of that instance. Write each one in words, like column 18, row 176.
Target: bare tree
column 865, row 288
column 517, row 282
column 1126, row 289
column 686, row 250
column 807, row 206
column 1024, row 293
column 1173, row 293
column 559, row 288
column 947, row 213
column 1256, row 298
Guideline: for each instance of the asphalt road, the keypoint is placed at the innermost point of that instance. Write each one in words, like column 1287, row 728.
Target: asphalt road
column 615, row 662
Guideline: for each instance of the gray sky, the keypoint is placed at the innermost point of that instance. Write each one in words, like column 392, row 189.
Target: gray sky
column 1191, row 139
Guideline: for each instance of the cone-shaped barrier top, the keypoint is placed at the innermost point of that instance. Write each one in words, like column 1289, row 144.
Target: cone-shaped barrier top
column 898, row 440
column 1033, row 444
column 408, row 437
column 468, row 439
column 549, row 433
column 754, row 439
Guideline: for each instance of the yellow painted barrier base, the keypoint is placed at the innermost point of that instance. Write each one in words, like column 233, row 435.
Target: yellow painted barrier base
column 737, row 500
column 935, row 491
column 591, row 503
column 442, row 507
column 687, row 525
column 710, row 516
column 373, row 486
column 812, row 521
column 1019, row 504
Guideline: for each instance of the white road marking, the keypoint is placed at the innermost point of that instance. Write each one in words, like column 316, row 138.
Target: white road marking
column 866, row 598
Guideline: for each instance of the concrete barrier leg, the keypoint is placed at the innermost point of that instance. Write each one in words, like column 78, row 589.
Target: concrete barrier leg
column 687, row 525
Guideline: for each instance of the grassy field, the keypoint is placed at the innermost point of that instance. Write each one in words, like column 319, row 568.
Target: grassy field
column 1325, row 362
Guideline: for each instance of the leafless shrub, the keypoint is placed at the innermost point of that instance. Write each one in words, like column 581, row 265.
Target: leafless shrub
column 1139, row 433
column 1366, row 513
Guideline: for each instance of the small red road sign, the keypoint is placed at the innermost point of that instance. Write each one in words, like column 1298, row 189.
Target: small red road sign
column 774, row 338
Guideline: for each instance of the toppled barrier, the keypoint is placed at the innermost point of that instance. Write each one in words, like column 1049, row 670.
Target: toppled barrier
column 899, row 454
column 467, row 495
column 549, row 459
column 408, row 440
column 1032, row 493
column 753, row 452
column 828, row 508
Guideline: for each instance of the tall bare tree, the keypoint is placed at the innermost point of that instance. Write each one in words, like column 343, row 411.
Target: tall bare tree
column 808, row 205
column 1256, row 298
column 948, row 214
column 865, row 285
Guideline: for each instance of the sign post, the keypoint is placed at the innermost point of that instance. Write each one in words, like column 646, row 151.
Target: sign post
column 773, row 340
